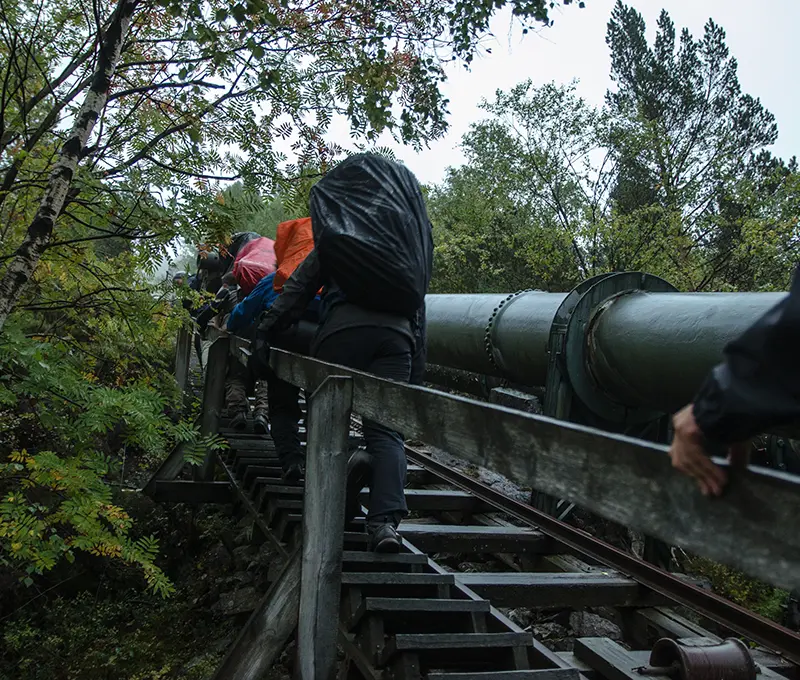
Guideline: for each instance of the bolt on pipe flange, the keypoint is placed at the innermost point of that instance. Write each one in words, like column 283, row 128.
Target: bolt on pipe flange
column 488, row 335
column 728, row 660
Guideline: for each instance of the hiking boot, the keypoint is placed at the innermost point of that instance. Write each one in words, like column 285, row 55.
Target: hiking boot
column 260, row 423
column 239, row 421
column 383, row 536
column 293, row 470
column 359, row 475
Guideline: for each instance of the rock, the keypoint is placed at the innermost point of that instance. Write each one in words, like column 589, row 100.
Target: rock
column 237, row 580
column 265, row 556
column 243, row 537
column 242, row 556
column 584, row 624
column 236, row 602
column 219, row 559
column 549, row 631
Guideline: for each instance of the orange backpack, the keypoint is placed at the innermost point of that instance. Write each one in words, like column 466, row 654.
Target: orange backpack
column 293, row 242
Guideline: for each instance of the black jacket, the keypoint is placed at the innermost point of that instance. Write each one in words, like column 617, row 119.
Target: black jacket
column 337, row 314
column 757, row 386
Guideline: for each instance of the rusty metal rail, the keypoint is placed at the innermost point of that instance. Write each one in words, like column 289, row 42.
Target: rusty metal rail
column 717, row 608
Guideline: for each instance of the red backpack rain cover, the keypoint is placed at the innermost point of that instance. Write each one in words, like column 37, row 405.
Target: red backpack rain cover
column 255, row 260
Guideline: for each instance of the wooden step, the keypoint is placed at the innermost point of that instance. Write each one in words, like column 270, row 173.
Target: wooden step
column 356, row 560
column 253, row 471
column 418, row 475
column 180, row 491
column 542, row 590
column 399, row 584
column 541, row 674
column 443, row 650
column 240, row 464
column 438, row 500
column 405, row 615
column 608, row 658
column 455, row 538
column 267, row 487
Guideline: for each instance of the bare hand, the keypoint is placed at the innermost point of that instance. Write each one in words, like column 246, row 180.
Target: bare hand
column 689, row 456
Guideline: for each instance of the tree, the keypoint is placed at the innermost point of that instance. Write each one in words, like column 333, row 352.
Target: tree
column 519, row 213
column 172, row 92
column 683, row 132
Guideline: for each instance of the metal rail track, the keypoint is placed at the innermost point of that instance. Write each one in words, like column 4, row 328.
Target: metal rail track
column 720, row 610
column 408, row 617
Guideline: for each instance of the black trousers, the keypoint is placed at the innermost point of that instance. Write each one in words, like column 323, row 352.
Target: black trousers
column 387, row 354
column 284, row 418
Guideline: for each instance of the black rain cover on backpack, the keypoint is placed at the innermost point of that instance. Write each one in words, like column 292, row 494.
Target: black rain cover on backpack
column 372, row 234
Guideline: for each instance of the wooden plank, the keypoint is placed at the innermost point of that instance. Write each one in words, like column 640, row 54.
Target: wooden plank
column 267, row 630
column 455, row 538
column 620, row 478
column 582, row 667
column 180, row 491
column 466, row 647
column 438, row 500
column 183, row 351
column 541, row 674
column 421, row 615
column 213, row 399
column 323, row 528
column 396, row 578
column 541, row 590
column 170, row 468
column 609, row 659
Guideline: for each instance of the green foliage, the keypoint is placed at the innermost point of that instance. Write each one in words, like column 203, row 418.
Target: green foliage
column 741, row 589
column 56, row 499
column 119, row 635
column 670, row 177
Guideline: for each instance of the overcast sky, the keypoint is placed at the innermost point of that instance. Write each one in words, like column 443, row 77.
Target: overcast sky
column 761, row 37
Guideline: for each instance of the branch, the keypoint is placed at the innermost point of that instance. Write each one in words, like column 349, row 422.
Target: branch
column 189, row 173
column 160, row 86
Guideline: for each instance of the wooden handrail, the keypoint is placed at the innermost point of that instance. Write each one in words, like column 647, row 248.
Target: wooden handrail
column 752, row 527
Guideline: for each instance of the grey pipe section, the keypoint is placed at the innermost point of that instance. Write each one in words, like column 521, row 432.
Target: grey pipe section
column 457, row 329
column 655, row 349
column 644, row 349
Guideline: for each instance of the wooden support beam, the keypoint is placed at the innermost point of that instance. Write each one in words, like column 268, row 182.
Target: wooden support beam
column 169, row 469
column 610, row 659
column 183, row 352
column 267, row 630
column 213, row 399
column 180, row 491
column 323, row 528
column 617, row 477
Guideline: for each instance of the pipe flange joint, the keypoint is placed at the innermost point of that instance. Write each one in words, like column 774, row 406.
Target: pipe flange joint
column 487, row 334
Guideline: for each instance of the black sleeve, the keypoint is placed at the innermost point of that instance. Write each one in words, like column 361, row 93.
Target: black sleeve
column 420, row 357
column 298, row 292
column 757, row 386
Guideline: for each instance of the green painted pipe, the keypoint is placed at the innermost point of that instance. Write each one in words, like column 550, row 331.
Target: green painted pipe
column 645, row 349
column 655, row 349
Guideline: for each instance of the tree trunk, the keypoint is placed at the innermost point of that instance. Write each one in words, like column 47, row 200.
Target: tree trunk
column 21, row 268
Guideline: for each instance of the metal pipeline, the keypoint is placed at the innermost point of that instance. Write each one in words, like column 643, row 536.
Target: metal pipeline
column 518, row 333
column 654, row 349
column 642, row 349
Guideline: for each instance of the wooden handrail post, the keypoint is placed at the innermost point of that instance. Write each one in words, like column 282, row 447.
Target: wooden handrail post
column 323, row 527
column 183, row 351
column 213, row 398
